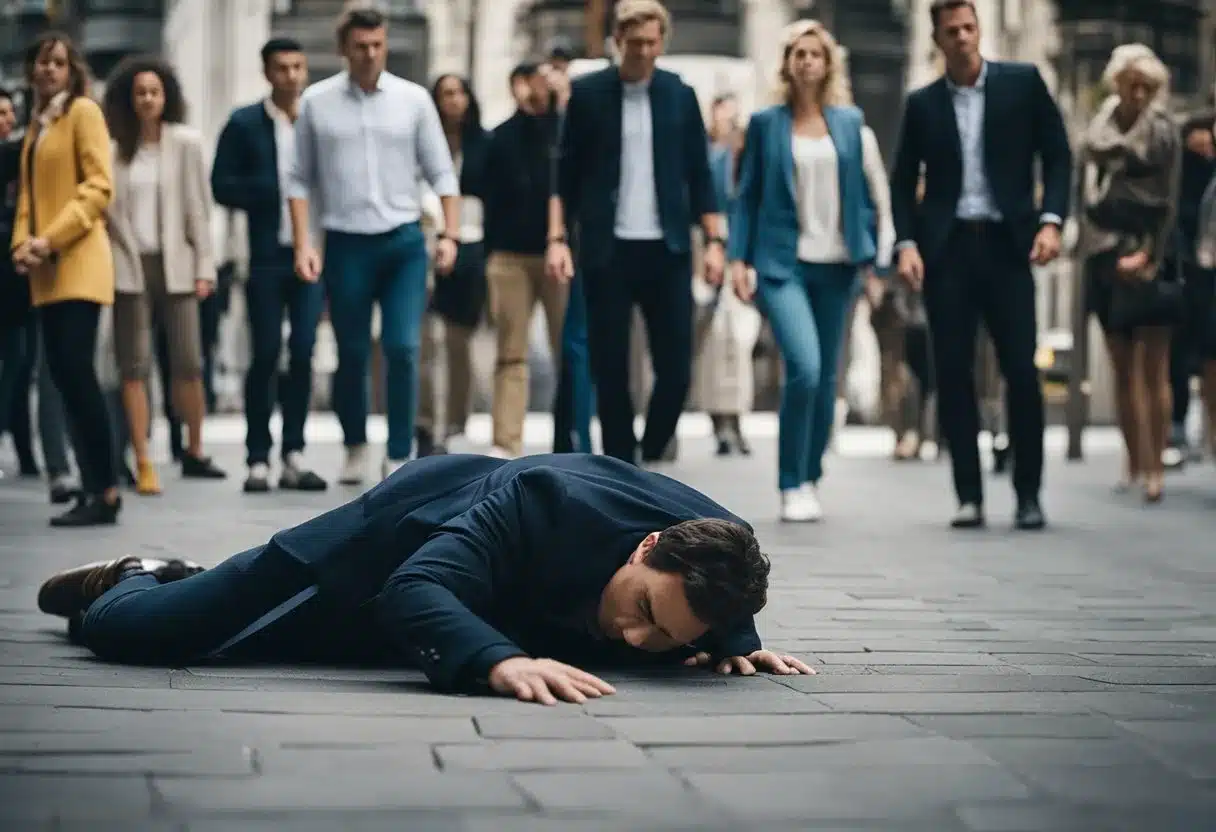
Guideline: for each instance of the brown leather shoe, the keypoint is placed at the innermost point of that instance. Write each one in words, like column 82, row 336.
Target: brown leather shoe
column 70, row 592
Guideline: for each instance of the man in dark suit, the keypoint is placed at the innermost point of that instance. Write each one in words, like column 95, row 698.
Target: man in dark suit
column 467, row 566
column 633, row 177
column 971, row 242
column 252, row 158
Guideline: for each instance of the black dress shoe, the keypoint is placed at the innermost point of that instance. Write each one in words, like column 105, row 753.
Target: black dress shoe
column 90, row 510
column 201, row 468
column 968, row 516
column 1000, row 455
column 298, row 479
column 1029, row 516
column 70, row 592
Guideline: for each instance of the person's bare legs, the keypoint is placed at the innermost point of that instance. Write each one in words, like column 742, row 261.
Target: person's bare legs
column 135, row 404
column 1121, row 358
column 1155, row 373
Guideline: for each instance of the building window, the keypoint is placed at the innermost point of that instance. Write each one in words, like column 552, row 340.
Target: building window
column 284, row 6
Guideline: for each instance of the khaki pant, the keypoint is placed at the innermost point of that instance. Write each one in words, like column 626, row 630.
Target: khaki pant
column 459, row 371
column 516, row 283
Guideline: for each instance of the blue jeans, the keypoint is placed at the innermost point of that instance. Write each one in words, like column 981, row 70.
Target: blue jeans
column 575, row 401
column 359, row 270
column 808, row 316
column 272, row 290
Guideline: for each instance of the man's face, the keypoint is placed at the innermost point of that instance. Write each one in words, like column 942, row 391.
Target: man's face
column 366, row 51
column 640, row 46
column 521, row 91
column 646, row 608
column 958, row 35
column 726, row 114
column 287, row 73
column 8, row 118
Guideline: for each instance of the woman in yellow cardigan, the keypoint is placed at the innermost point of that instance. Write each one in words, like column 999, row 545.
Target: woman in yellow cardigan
column 60, row 242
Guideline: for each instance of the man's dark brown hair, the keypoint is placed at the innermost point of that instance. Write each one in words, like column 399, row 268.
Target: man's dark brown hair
column 725, row 574
column 939, row 6
column 358, row 17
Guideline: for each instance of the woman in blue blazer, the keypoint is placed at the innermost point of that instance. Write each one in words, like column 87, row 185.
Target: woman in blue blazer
column 811, row 213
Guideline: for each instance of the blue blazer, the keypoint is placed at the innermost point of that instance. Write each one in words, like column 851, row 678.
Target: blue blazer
column 1021, row 123
column 245, row 176
column 764, row 226
column 589, row 168
column 467, row 560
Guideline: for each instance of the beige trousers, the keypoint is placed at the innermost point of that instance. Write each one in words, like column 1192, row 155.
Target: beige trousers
column 516, row 283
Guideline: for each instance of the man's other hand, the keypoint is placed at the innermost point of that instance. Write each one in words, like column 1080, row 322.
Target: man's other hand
column 761, row 660
column 911, row 268
column 545, row 681
column 1046, row 245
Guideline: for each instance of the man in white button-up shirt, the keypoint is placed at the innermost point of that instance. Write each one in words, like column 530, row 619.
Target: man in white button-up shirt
column 634, row 177
column 980, row 132
column 364, row 139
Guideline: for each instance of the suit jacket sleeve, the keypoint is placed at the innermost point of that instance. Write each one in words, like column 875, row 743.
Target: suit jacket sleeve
column 746, row 206
column 432, row 607
column 232, row 184
column 568, row 170
column 1055, row 155
column 905, row 173
column 703, row 197
column 741, row 640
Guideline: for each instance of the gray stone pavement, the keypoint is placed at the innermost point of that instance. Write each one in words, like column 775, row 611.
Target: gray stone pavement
column 990, row 682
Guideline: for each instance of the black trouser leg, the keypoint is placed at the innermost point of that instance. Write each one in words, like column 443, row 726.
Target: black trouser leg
column 69, row 331
column 665, row 296
column 953, row 310
column 609, row 322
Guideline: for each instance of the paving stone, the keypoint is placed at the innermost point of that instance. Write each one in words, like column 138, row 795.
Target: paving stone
column 948, row 670
column 1020, row 753
column 322, row 761
column 373, row 788
column 957, row 703
column 1126, row 785
column 938, row 683
column 36, row 797
column 542, row 728
column 939, row 659
column 1173, row 731
column 910, row 751
column 645, row 793
column 878, row 793
column 1019, row 725
column 1037, row 818
column 760, row 730
column 230, row 761
column 541, row 755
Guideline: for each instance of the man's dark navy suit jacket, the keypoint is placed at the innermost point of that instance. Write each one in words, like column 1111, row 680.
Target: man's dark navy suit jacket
column 1021, row 124
column 469, row 560
column 589, row 170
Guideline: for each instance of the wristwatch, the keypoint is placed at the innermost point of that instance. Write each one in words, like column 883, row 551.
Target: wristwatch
column 557, row 238
column 716, row 240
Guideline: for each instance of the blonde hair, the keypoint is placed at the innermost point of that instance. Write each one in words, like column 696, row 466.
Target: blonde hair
column 630, row 13
column 1139, row 58
column 837, row 92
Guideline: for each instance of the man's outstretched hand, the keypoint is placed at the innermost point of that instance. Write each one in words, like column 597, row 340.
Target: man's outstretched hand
column 762, row 660
column 545, row 681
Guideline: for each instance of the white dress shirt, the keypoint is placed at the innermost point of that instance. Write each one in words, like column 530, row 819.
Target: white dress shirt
column 637, row 207
column 143, row 206
column 360, row 154
column 285, row 154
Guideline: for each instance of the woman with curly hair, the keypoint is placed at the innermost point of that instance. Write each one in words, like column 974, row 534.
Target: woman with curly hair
column 812, row 210
column 160, row 227
column 64, row 188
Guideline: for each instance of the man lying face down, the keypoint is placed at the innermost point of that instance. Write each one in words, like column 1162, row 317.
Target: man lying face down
column 483, row 573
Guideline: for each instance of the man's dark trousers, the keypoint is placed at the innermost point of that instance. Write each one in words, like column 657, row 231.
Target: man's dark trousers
column 659, row 281
column 980, row 274
column 575, row 399
column 272, row 290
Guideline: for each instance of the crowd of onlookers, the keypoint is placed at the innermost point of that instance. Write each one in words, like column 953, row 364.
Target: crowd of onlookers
column 386, row 208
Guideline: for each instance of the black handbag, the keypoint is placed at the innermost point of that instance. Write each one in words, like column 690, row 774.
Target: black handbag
column 1155, row 302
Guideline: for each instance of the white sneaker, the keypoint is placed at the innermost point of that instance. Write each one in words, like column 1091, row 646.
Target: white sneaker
column 500, row 453
column 354, row 469
column 801, row 505
column 390, row 467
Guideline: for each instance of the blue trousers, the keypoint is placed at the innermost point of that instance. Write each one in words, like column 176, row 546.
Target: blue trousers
column 808, row 316
column 359, row 271
column 274, row 290
column 141, row 621
column 575, row 402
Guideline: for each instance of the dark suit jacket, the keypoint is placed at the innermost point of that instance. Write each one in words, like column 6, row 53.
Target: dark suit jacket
column 1021, row 122
column 469, row 560
column 245, row 176
column 589, row 171
column 14, row 288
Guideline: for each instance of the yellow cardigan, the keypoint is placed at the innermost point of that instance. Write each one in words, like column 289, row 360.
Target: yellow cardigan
column 72, row 184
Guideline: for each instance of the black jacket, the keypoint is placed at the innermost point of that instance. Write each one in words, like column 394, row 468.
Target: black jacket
column 516, row 183
column 14, row 288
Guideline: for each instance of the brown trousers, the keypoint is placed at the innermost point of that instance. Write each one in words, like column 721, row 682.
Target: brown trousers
column 516, row 283
column 457, row 342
